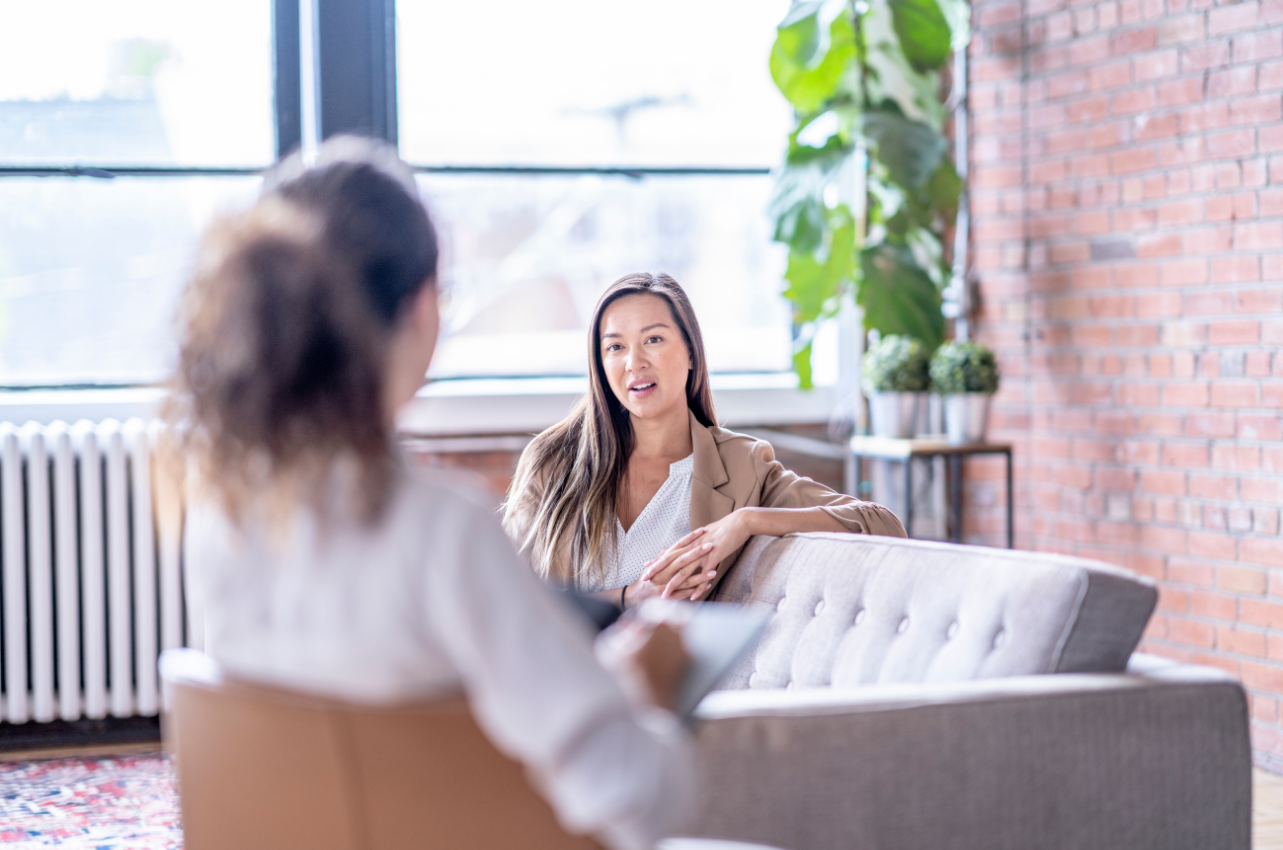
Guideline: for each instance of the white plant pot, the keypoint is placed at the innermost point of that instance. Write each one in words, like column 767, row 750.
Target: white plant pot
column 893, row 414
column 966, row 417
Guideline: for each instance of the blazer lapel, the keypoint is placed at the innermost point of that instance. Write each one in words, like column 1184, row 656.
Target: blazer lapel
column 707, row 504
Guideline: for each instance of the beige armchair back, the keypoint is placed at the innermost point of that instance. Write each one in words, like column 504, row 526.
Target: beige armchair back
column 267, row 769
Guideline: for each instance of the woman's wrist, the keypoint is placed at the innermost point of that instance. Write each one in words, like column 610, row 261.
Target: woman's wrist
column 752, row 521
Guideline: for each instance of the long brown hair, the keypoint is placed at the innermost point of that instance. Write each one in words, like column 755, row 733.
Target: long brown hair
column 284, row 330
column 566, row 489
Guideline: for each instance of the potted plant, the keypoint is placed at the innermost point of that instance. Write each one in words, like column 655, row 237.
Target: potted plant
column 965, row 374
column 896, row 374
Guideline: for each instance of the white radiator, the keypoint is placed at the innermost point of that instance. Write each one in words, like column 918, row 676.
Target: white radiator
column 91, row 583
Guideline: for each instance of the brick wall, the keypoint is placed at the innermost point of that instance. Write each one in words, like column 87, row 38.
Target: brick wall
column 1128, row 237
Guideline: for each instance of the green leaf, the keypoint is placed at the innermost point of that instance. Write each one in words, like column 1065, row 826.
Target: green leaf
column 897, row 296
column 958, row 14
column 923, row 32
column 945, row 188
column 891, row 75
column 801, row 226
column 910, row 150
column 816, row 280
column 798, row 35
column 802, row 366
column 796, row 204
column 807, row 81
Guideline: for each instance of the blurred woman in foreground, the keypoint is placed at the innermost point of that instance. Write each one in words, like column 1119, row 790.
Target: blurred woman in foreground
column 325, row 565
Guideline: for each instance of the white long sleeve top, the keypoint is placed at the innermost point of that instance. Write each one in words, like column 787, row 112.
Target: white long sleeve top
column 431, row 600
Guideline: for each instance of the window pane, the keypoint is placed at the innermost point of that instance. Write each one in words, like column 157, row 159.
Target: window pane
column 526, row 258
column 90, row 270
column 582, row 82
column 136, row 82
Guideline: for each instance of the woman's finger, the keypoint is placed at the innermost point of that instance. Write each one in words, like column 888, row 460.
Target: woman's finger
column 665, row 572
column 677, row 581
column 695, row 580
column 665, row 557
column 688, row 539
column 663, row 561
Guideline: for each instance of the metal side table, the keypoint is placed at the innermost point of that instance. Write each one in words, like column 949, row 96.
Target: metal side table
column 886, row 448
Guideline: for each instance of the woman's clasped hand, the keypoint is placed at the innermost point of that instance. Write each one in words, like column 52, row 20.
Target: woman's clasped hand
column 687, row 569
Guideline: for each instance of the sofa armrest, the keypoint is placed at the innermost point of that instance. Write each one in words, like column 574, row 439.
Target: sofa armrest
column 1134, row 761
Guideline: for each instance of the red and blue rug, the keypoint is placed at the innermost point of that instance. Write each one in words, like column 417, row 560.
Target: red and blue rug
column 109, row 803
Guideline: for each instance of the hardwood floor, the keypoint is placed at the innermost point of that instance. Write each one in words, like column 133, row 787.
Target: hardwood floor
column 1267, row 811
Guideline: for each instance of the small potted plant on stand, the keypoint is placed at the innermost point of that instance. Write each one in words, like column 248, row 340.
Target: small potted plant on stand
column 965, row 374
column 895, row 378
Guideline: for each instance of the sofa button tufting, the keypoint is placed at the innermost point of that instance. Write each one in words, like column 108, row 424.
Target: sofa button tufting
column 903, row 626
column 819, row 606
column 952, row 631
column 859, row 616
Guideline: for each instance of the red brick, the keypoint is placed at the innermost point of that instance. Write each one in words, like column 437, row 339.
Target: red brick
column 1176, row 394
column 1231, row 145
column 1216, row 605
column 1260, row 427
column 1266, row 677
column 1258, row 45
column 1267, row 551
column 1240, row 579
column 1269, row 490
column 1234, row 333
column 1168, row 483
column 1250, row 236
column 1210, row 425
column 1226, row 394
column 1232, row 18
column 1256, row 110
column 1196, row 633
column 1205, row 55
column 1259, row 612
column 1206, row 486
column 1180, row 29
column 1156, row 65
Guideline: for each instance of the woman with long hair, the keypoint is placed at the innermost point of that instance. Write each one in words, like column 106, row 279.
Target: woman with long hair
column 325, row 565
column 638, row 493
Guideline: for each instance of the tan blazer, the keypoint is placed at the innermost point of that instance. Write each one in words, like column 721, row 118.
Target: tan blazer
column 734, row 471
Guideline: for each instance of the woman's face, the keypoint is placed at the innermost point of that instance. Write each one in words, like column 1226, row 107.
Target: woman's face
column 644, row 355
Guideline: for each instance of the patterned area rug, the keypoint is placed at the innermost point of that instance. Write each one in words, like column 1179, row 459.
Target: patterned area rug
column 110, row 803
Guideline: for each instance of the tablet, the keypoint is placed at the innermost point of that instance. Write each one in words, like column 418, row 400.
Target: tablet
column 716, row 635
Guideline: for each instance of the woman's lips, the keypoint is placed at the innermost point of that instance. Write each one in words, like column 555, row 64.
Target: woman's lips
column 641, row 390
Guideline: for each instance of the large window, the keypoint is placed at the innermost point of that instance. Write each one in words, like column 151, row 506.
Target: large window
column 166, row 110
column 543, row 106
column 560, row 146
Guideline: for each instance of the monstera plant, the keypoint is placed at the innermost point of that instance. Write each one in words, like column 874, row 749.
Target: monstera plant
column 867, row 190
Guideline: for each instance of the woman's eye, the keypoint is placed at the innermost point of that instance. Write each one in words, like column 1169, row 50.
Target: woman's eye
column 614, row 346
column 655, row 339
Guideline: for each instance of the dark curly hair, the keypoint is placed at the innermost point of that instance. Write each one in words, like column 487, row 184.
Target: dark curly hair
column 284, row 329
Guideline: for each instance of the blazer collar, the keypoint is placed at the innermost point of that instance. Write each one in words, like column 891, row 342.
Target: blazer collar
column 708, row 504
column 708, row 460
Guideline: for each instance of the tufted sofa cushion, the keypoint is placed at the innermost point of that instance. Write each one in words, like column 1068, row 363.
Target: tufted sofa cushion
column 855, row 610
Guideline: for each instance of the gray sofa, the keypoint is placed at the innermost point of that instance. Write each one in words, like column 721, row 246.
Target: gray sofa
column 910, row 694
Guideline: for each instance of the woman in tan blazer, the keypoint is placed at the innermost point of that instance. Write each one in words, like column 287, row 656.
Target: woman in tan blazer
column 639, row 493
